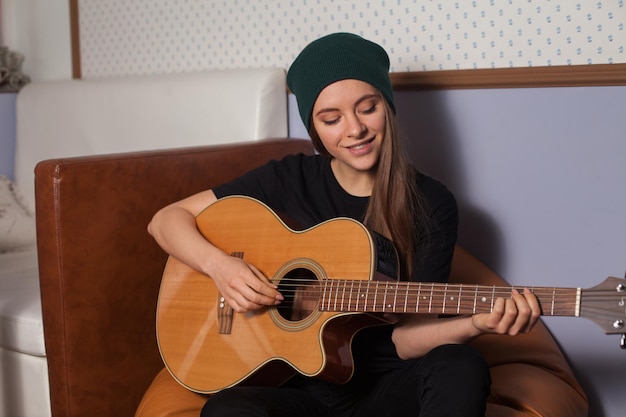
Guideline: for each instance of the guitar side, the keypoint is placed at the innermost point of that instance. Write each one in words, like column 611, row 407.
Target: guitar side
column 207, row 347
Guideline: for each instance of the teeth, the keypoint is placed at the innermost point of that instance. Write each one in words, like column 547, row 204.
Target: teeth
column 361, row 145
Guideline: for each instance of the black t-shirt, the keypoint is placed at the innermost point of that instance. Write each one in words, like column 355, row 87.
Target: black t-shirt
column 304, row 188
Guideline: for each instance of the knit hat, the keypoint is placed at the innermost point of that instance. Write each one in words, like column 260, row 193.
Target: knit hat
column 337, row 57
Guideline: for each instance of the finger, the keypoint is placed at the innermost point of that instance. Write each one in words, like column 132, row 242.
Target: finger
column 242, row 291
column 508, row 321
column 535, row 309
column 244, row 298
column 253, row 298
column 521, row 312
column 268, row 294
column 265, row 286
column 497, row 312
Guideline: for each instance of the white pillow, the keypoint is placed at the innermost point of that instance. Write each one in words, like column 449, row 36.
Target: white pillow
column 17, row 224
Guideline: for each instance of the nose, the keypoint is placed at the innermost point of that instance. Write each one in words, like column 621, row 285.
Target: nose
column 355, row 127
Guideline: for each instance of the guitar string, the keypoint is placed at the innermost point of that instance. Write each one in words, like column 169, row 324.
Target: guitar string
column 296, row 284
column 560, row 307
column 436, row 291
column 415, row 286
column 440, row 287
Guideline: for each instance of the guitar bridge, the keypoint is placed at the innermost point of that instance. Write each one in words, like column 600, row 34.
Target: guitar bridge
column 224, row 316
column 224, row 311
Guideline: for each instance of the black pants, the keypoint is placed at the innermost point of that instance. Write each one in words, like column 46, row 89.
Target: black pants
column 451, row 380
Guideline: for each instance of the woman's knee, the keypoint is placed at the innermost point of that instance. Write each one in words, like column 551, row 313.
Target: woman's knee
column 232, row 402
column 456, row 382
column 459, row 363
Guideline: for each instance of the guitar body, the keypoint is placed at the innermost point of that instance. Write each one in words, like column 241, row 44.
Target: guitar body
column 208, row 347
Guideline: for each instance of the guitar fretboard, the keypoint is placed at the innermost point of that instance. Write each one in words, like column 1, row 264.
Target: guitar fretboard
column 436, row 298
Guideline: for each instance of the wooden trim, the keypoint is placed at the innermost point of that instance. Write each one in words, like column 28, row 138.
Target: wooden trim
column 555, row 76
column 75, row 39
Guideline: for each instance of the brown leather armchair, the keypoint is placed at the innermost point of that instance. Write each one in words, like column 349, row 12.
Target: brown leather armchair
column 100, row 274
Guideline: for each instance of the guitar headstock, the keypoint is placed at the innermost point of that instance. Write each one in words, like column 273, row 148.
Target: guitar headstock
column 605, row 304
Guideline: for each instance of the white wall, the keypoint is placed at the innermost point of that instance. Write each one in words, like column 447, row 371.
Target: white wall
column 40, row 30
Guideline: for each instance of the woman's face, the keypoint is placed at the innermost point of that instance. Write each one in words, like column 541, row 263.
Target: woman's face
column 349, row 118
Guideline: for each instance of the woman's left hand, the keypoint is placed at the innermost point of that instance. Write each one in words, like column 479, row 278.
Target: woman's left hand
column 511, row 316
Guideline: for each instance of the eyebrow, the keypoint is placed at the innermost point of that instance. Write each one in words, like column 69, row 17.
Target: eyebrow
column 359, row 101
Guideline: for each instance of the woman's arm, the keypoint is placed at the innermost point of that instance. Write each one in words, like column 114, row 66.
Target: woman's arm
column 241, row 284
column 414, row 335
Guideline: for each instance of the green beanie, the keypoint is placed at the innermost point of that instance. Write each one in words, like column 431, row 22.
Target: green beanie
column 337, row 57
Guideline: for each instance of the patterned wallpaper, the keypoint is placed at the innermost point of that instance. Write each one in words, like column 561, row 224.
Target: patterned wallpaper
column 123, row 37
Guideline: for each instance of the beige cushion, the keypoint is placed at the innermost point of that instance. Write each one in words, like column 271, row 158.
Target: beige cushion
column 17, row 224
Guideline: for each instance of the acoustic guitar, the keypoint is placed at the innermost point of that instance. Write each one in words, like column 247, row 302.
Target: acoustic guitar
column 336, row 278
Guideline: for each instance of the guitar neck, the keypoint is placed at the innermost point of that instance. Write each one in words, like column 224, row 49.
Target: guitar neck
column 435, row 298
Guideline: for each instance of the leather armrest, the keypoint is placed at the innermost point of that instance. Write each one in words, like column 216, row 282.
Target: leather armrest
column 100, row 271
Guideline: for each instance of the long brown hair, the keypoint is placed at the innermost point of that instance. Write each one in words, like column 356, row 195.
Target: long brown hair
column 396, row 207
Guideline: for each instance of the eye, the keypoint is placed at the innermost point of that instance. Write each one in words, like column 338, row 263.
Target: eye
column 369, row 107
column 331, row 122
column 369, row 110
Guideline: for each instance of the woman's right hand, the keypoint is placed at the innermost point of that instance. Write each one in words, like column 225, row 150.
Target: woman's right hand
column 242, row 285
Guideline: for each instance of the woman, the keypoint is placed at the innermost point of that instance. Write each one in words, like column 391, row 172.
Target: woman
column 420, row 365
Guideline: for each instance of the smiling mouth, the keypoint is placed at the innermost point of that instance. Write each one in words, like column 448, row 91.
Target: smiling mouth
column 361, row 145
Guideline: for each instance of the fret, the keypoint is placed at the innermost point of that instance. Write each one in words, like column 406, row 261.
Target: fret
column 475, row 297
column 343, row 294
column 383, row 292
column 330, row 295
column 443, row 301
column 395, row 297
column 392, row 306
column 406, row 296
column 384, row 303
column 324, row 292
column 480, row 300
column 458, row 304
column 360, row 295
column 552, row 306
column 430, row 302
column 367, row 295
column 350, row 296
column 419, row 294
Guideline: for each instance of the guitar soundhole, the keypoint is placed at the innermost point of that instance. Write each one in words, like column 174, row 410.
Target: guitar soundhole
column 301, row 294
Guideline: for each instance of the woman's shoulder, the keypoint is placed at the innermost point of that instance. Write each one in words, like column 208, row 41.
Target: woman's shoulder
column 433, row 189
column 299, row 159
column 300, row 163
